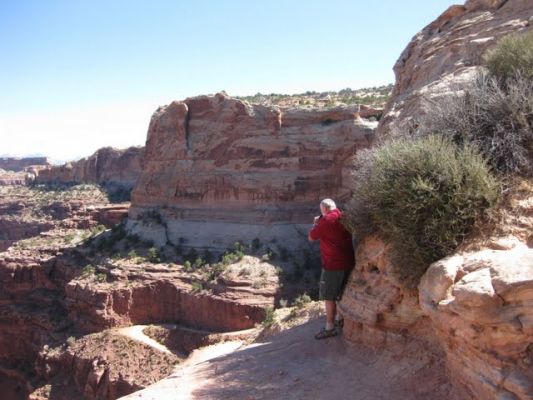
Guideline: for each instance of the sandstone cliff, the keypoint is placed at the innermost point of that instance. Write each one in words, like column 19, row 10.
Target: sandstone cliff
column 473, row 308
column 218, row 170
column 446, row 54
column 107, row 166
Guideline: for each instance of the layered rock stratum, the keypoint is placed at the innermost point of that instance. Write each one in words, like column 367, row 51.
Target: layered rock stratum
column 18, row 164
column 446, row 54
column 219, row 170
column 113, row 168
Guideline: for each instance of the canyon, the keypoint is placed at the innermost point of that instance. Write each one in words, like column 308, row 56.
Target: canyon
column 194, row 289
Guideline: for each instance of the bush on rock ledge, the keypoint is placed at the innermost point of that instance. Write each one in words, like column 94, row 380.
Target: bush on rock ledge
column 424, row 195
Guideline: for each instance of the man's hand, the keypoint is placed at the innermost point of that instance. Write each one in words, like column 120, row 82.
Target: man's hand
column 315, row 221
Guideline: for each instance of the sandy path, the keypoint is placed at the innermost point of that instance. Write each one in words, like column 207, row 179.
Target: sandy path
column 135, row 332
column 181, row 384
column 293, row 365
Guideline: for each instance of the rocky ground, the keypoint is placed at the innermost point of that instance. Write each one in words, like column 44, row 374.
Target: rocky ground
column 287, row 362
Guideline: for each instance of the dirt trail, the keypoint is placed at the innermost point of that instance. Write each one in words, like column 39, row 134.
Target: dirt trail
column 293, row 365
column 136, row 333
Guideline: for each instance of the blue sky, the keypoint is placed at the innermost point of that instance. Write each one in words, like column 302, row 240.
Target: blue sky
column 79, row 75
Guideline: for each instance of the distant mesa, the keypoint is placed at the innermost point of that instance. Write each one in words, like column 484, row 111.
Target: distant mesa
column 115, row 169
column 18, row 164
column 20, row 170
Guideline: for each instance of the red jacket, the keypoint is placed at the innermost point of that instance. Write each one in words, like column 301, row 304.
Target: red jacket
column 336, row 249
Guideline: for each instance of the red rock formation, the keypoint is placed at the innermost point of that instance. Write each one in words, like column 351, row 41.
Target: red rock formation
column 480, row 304
column 475, row 307
column 112, row 214
column 19, row 164
column 218, row 170
column 446, row 54
column 106, row 166
column 10, row 178
column 378, row 308
column 160, row 297
column 101, row 366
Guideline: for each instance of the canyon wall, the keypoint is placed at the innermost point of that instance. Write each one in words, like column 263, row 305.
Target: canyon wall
column 18, row 164
column 218, row 170
column 107, row 166
column 475, row 307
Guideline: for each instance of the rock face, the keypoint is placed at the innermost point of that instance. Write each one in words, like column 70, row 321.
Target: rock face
column 480, row 304
column 446, row 54
column 19, row 164
column 379, row 309
column 159, row 296
column 218, row 170
column 475, row 307
column 108, row 166
column 10, row 178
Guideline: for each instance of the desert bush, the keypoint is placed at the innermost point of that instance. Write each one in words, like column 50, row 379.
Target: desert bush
column 197, row 286
column 512, row 55
column 88, row 270
column 301, row 300
column 187, row 267
column 269, row 317
column 499, row 122
column 198, row 263
column 153, row 255
column 233, row 256
column 424, row 195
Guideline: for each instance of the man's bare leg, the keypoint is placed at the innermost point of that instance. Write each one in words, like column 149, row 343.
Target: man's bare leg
column 331, row 310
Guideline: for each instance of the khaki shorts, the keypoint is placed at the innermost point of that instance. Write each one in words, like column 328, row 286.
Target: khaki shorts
column 332, row 284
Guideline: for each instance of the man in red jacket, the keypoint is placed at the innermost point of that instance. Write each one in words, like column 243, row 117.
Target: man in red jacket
column 337, row 254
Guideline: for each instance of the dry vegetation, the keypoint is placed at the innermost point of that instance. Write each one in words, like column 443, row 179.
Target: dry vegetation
column 374, row 96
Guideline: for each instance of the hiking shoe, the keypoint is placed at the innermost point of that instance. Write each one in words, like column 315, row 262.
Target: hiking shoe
column 325, row 333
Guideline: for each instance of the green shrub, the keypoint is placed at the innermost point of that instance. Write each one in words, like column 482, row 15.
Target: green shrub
column 498, row 122
column 197, row 286
column 153, row 255
column 88, row 270
column 198, row 263
column 95, row 230
column 187, row 267
column 233, row 256
column 301, row 300
column 269, row 317
column 424, row 195
column 512, row 55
